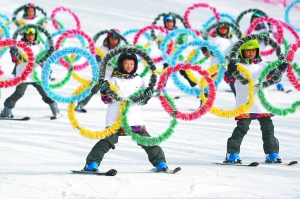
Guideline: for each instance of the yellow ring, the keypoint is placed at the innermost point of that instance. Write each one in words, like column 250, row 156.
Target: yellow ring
column 243, row 107
column 95, row 134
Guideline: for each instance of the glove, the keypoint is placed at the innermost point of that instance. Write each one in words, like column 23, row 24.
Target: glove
column 181, row 39
column 103, row 85
column 205, row 52
column 283, row 66
column 148, row 92
column 231, row 68
column 165, row 65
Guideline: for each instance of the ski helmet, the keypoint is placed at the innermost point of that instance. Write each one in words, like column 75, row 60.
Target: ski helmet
column 222, row 22
column 30, row 31
column 257, row 15
column 169, row 18
column 127, row 55
column 27, row 6
column 112, row 33
column 251, row 44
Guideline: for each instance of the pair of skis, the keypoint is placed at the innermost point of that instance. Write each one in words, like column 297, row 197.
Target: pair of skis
column 113, row 172
column 254, row 164
column 24, row 118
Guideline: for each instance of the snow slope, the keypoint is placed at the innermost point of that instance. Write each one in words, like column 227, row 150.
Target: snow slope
column 36, row 156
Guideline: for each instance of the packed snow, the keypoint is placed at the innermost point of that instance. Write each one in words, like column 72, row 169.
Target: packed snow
column 36, row 156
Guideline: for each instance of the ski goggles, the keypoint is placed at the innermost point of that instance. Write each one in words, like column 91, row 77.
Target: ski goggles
column 112, row 35
column 223, row 26
column 30, row 31
column 29, row 5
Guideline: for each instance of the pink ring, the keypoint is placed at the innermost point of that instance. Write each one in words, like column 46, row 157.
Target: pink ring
column 278, row 37
column 54, row 12
column 199, row 5
column 29, row 67
column 203, row 109
column 153, row 27
column 83, row 34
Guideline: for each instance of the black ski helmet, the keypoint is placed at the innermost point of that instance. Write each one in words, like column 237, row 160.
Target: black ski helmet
column 127, row 55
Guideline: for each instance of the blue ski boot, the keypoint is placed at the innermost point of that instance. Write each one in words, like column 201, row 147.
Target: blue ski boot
column 162, row 166
column 92, row 167
column 273, row 158
column 233, row 158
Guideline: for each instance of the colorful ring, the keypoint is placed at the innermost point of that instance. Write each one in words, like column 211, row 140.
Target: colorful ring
column 53, row 59
column 56, row 10
column 29, row 67
column 287, row 12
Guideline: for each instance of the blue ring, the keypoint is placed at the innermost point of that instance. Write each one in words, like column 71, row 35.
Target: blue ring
column 53, row 59
column 287, row 12
column 168, row 37
column 60, row 32
column 147, row 35
column 217, row 53
column 206, row 25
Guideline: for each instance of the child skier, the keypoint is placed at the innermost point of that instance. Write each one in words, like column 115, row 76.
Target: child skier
column 30, row 37
column 251, row 59
column 259, row 29
column 170, row 25
column 127, row 81
column 224, row 40
column 110, row 42
column 30, row 16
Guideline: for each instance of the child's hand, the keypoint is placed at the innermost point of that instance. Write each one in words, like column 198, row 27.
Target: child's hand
column 231, row 68
column 283, row 66
column 104, row 85
column 148, row 93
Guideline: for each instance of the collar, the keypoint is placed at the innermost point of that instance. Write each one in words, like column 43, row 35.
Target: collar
column 260, row 26
column 249, row 61
column 117, row 74
column 31, row 43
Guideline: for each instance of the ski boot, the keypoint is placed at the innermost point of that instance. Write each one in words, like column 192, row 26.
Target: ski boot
column 55, row 111
column 280, row 87
column 92, row 167
column 162, row 166
column 79, row 108
column 273, row 158
column 233, row 158
column 6, row 113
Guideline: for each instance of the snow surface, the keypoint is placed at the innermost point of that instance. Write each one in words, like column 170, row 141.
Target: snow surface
column 36, row 156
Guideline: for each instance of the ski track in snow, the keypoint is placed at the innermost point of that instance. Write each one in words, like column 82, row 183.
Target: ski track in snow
column 36, row 156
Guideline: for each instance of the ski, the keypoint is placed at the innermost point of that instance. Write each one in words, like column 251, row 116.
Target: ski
column 252, row 164
column 81, row 110
column 111, row 172
column 15, row 119
column 283, row 163
column 55, row 117
column 176, row 170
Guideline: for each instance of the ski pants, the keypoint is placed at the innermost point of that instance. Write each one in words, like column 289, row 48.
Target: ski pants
column 155, row 153
column 271, row 143
column 94, row 90
column 11, row 101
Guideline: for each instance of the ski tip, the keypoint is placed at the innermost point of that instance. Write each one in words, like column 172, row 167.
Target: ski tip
column 176, row 170
column 292, row 163
column 26, row 118
column 111, row 172
column 253, row 164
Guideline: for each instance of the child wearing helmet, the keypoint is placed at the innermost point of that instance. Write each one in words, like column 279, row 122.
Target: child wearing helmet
column 260, row 29
column 29, row 15
column 111, row 41
column 170, row 24
column 128, row 82
column 224, row 40
column 251, row 59
column 30, row 37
